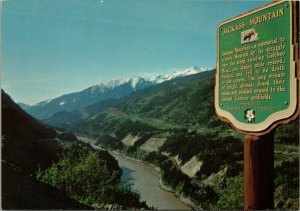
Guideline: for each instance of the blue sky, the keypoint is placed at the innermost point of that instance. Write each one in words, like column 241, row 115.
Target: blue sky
column 54, row 47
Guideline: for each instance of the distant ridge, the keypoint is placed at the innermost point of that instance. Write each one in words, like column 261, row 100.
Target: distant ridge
column 110, row 89
column 24, row 106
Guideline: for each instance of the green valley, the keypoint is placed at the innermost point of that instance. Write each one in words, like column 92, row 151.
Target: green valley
column 173, row 126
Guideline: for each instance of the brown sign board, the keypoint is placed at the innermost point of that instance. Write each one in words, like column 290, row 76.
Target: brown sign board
column 257, row 77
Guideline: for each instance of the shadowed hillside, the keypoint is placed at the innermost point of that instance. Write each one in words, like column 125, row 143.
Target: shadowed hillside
column 24, row 138
column 26, row 145
column 47, row 169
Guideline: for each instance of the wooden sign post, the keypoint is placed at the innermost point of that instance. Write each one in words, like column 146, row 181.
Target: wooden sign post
column 259, row 172
column 257, row 88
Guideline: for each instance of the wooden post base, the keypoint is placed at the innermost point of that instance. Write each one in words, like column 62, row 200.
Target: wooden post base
column 259, row 172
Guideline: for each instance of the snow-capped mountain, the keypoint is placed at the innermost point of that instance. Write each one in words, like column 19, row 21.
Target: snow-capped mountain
column 176, row 74
column 110, row 89
column 136, row 82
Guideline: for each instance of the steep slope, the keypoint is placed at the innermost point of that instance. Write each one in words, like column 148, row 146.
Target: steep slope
column 111, row 89
column 23, row 138
column 26, row 145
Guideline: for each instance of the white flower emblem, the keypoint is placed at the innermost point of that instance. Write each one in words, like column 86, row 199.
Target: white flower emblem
column 249, row 115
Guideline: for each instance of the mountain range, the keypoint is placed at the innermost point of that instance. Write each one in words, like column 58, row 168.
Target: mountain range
column 184, row 102
column 110, row 89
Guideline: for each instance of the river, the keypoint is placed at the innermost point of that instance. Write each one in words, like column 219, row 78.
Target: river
column 145, row 179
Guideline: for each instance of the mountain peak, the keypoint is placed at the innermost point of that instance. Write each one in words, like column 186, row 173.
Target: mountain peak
column 111, row 84
column 134, row 81
column 178, row 73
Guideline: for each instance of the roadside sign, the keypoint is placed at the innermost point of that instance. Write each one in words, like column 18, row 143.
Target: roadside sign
column 256, row 78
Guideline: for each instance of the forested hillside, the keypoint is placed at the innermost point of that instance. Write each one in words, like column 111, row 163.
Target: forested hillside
column 181, row 114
